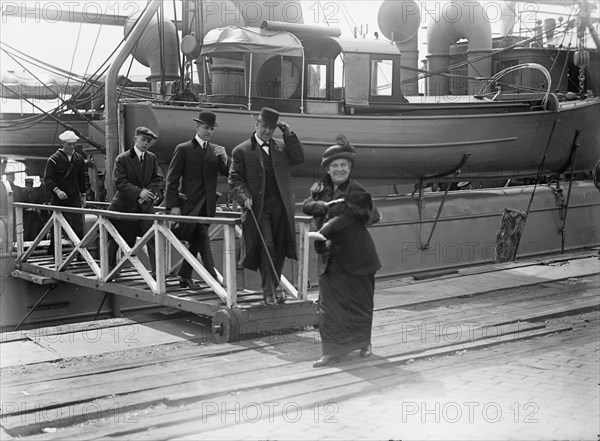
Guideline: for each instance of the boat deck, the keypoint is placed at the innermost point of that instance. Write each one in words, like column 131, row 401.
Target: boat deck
column 160, row 375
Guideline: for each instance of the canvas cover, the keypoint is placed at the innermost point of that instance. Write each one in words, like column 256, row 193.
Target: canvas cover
column 244, row 39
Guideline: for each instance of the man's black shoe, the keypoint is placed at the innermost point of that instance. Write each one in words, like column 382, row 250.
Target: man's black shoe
column 366, row 351
column 184, row 282
column 269, row 299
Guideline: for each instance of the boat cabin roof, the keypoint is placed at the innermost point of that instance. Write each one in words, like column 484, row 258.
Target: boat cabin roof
column 247, row 39
column 331, row 46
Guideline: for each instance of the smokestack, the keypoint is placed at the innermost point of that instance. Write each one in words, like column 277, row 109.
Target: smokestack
column 399, row 22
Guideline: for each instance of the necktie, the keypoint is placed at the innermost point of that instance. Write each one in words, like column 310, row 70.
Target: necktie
column 142, row 157
column 265, row 147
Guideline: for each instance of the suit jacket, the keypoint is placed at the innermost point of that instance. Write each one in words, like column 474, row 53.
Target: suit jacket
column 347, row 231
column 247, row 180
column 194, row 173
column 131, row 179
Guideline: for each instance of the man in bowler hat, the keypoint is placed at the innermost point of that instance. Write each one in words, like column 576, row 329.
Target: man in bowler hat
column 193, row 173
column 137, row 182
column 260, row 179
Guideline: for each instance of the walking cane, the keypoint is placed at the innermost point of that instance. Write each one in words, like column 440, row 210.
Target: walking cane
column 266, row 249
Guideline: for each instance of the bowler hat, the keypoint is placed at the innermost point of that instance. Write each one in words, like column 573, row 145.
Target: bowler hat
column 145, row 132
column 268, row 117
column 337, row 151
column 207, row 117
column 68, row 136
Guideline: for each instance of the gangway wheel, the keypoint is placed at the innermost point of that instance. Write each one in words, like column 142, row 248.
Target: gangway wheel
column 223, row 326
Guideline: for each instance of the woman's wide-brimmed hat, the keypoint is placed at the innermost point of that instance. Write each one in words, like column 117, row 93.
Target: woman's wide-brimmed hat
column 268, row 117
column 207, row 117
column 337, row 151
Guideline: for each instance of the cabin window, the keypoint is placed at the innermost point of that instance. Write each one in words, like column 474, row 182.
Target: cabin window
column 381, row 77
column 317, row 81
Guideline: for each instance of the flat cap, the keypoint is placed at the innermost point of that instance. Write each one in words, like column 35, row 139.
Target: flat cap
column 145, row 131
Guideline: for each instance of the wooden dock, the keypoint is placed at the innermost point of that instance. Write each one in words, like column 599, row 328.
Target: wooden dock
column 161, row 375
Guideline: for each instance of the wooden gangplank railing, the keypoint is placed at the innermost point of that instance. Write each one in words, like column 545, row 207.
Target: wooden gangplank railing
column 226, row 224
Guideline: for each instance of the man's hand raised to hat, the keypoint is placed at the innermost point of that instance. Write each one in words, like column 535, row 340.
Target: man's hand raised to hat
column 284, row 128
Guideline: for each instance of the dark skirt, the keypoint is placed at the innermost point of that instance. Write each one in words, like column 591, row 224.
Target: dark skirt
column 345, row 309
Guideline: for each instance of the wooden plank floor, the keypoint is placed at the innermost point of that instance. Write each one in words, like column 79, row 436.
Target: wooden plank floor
column 163, row 391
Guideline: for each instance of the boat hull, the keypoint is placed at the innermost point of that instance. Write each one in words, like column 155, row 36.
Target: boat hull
column 406, row 148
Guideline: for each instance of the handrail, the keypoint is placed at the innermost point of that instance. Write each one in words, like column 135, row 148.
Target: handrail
column 164, row 240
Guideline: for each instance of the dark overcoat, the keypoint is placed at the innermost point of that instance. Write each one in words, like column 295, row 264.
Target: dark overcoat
column 199, row 171
column 345, row 228
column 131, row 179
column 247, row 180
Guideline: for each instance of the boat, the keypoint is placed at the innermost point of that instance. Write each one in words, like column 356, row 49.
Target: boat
column 326, row 84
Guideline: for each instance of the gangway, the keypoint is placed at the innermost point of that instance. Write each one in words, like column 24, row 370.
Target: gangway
column 84, row 261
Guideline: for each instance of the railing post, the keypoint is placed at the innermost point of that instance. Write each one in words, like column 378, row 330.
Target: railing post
column 57, row 231
column 19, row 230
column 229, row 265
column 160, row 253
column 103, row 249
column 303, row 249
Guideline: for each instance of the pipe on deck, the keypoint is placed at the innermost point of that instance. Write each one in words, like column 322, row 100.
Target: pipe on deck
column 110, row 94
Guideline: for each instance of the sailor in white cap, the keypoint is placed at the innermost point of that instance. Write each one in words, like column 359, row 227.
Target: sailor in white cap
column 64, row 179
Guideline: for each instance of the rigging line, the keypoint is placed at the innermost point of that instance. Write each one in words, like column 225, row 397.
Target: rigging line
column 103, row 69
column 93, row 50
column 88, row 140
column 348, row 17
column 179, row 63
column 75, row 50
column 58, row 71
column 323, row 11
column 128, row 71
column 41, row 64
column 59, row 97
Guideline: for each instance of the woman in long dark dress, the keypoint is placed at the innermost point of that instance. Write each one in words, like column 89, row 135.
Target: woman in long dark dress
column 342, row 210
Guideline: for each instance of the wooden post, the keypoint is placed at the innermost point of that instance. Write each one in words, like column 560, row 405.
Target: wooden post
column 103, row 249
column 58, row 255
column 303, row 249
column 19, row 229
column 229, row 266
column 160, row 253
column 509, row 235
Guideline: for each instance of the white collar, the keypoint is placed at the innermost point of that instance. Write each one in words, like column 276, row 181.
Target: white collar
column 260, row 141
column 138, row 152
column 200, row 141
